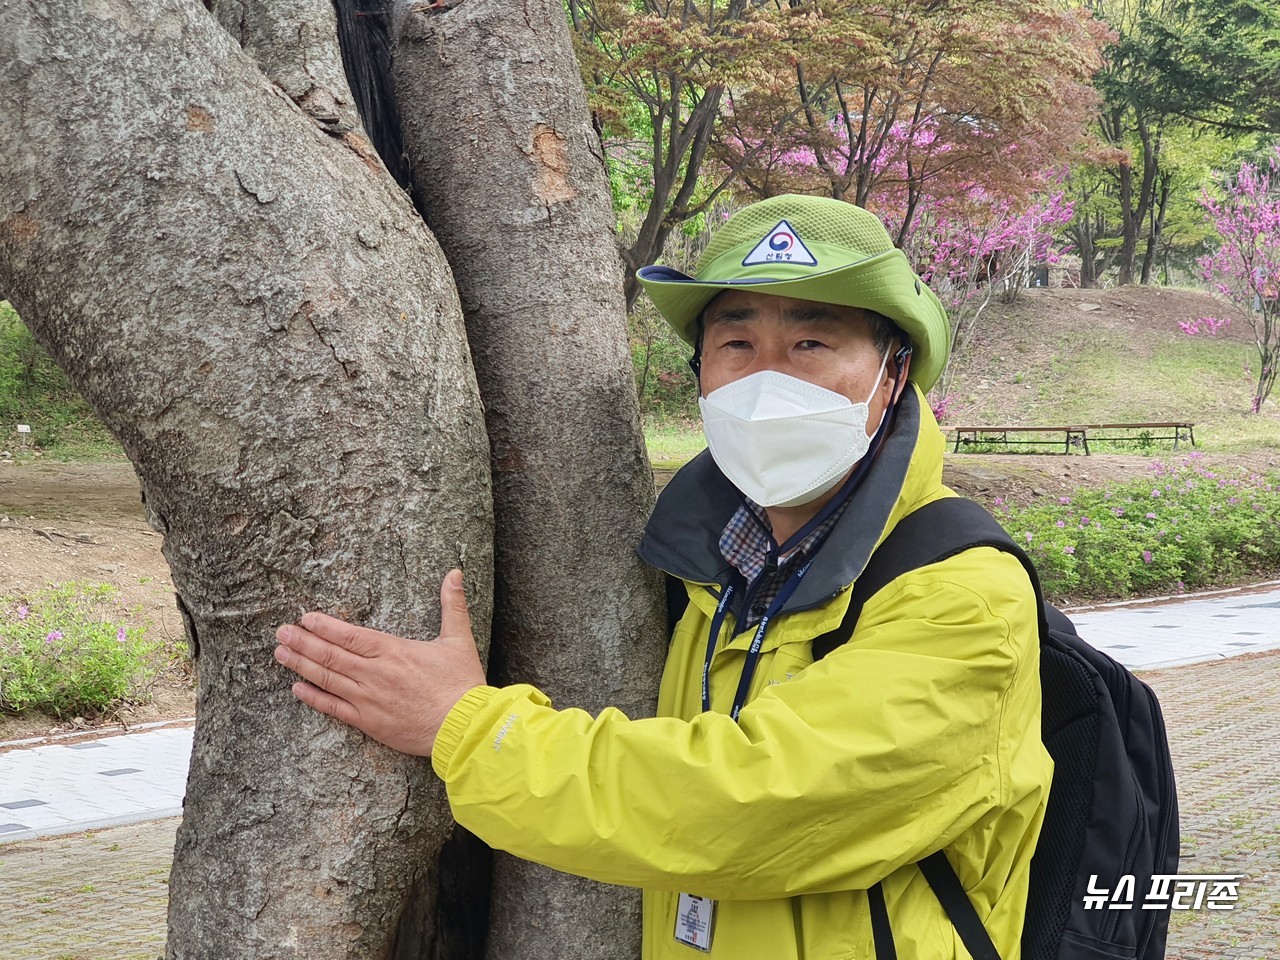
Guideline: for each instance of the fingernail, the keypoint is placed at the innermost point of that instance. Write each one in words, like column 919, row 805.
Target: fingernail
column 455, row 579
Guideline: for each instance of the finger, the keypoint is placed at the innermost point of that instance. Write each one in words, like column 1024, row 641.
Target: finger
column 327, row 703
column 317, row 673
column 455, row 621
column 322, row 651
column 359, row 640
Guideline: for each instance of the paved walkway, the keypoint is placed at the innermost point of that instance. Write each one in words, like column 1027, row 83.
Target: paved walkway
column 1173, row 631
column 101, row 896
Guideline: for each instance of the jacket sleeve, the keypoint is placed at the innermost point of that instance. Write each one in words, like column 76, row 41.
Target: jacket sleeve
column 884, row 751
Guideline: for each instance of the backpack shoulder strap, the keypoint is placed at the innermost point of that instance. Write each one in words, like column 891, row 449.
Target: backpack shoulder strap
column 933, row 533
column 929, row 535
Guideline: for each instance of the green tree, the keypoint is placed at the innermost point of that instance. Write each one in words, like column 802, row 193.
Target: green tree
column 1176, row 69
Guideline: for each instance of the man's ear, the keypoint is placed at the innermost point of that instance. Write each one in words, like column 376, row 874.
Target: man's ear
column 901, row 365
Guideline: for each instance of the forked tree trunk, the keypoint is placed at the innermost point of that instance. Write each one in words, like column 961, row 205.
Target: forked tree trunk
column 259, row 316
column 509, row 172
column 295, row 43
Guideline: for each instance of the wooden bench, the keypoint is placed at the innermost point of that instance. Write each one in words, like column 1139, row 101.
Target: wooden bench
column 1072, row 434
column 1077, row 434
column 1142, row 432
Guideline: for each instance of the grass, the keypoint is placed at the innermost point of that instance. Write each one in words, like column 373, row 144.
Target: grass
column 1056, row 374
column 35, row 392
column 673, row 443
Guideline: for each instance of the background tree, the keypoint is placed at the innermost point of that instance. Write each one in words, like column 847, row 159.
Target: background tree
column 257, row 313
column 656, row 75
column 1245, row 267
column 977, row 248
column 926, row 101
column 1176, row 69
column 960, row 81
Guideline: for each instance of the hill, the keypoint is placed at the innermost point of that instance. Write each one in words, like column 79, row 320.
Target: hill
column 1063, row 355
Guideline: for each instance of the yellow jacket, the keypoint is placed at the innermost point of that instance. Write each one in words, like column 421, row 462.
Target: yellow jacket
column 921, row 733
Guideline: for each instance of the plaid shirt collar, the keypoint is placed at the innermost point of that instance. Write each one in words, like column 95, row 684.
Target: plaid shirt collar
column 748, row 537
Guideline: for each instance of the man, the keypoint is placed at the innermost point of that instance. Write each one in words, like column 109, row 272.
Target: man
column 772, row 799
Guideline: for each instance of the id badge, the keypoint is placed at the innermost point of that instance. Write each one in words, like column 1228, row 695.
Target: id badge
column 695, row 921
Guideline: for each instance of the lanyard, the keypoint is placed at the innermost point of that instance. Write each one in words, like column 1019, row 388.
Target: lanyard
column 757, row 641
column 841, row 498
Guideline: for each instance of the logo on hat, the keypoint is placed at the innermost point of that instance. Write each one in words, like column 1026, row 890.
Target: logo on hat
column 781, row 245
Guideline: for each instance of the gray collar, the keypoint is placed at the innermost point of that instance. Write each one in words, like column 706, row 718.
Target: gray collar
column 683, row 534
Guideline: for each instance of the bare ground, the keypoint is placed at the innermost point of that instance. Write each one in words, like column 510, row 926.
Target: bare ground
column 84, row 523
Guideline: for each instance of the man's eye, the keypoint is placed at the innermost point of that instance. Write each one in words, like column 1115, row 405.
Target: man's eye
column 810, row 344
column 736, row 344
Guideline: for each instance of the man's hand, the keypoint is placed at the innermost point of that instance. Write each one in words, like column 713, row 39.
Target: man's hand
column 397, row 691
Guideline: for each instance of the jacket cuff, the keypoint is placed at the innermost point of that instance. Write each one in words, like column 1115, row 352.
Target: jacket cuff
column 455, row 725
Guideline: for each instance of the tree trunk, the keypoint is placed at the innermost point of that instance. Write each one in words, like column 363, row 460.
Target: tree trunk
column 1157, row 215
column 518, row 195
column 295, row 43
column 260, row 318
column 1135, row 209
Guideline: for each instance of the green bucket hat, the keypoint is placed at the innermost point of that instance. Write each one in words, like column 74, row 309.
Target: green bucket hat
column 810, row 248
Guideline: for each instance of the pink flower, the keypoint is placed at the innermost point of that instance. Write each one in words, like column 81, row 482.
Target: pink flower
column 1028, row 537
column 1068, row 549
column 1064, row 500
column 53, row 635
column 23, row 611
column 999, row 501
column 1155, row 492
column 121, row 635
column 1146, row 556
column 1151, row 516
column 1062, row 523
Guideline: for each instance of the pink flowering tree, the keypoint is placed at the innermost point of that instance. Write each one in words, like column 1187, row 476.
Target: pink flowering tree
column 1246, row 266
column 978, row 247
column 973, row 238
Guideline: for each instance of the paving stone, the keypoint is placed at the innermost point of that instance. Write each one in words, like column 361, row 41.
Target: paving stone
column 1224, row 735
column 95, row 896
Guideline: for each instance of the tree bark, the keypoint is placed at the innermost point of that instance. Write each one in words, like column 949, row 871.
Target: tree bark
column 1135, row 213
column 510, row 174
column 1156, row 217
column 260, row 318
column 295, row 43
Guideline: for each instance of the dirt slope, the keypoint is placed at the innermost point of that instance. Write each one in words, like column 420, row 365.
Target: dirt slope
column 1106, row 355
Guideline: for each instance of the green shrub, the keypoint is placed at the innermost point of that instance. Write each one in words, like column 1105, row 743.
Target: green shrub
column 1185, row 527
column 69, row 649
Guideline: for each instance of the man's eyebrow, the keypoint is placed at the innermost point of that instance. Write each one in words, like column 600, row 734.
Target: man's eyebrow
column 731, row 315
column 814, row 314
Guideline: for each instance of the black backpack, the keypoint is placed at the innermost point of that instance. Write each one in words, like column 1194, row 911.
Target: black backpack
column 1112, row 809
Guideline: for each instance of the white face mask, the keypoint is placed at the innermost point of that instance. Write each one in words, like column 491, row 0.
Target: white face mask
column 783, row 441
